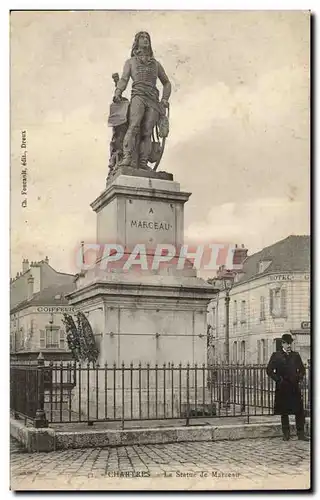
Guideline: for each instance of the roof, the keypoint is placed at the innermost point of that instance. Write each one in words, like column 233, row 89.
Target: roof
column 48, row 297
column 58, row 272
column 289, row 255
column 40, row 263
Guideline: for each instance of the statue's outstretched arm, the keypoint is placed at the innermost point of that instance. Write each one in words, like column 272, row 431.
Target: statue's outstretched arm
column 165, row 82
column 123, row 82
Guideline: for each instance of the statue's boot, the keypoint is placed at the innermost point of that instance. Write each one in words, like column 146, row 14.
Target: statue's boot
column 126, row 160
column 143, row 164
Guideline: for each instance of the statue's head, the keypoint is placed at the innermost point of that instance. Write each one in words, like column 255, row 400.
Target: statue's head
column 142, row 41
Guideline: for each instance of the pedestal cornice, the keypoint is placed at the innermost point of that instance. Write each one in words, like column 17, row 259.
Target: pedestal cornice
column 114, row 191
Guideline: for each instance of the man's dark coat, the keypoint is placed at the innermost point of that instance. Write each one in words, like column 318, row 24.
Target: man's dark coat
column 287, row 370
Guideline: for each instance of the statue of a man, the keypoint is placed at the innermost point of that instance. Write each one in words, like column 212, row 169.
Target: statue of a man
column 145, row 108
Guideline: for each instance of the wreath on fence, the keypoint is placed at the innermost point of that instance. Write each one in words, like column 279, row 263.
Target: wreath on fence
column 80, row 338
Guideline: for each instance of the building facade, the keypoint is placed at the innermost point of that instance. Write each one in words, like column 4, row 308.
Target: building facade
column 38, row 301
column 270, row 297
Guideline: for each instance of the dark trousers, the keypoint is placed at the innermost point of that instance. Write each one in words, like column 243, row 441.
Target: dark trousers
column 299, row 423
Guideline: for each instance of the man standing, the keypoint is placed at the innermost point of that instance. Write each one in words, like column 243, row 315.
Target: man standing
column 287, row 370
column 145, row 108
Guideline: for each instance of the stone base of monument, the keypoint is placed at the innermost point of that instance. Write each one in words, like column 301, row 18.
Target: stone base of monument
column 136, row 403
column 142, row 315
column 147, row 319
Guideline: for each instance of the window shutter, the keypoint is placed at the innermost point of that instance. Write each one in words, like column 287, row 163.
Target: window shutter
column 21, row 338
column 278, row 344
column 243, row 354
column 61, row 339
column 243, row 310
column 235, row 351
column 56, row 337
column 264, row 350
column 42, row 339
column 283, row 302
column 262, row 311
column 271, row 301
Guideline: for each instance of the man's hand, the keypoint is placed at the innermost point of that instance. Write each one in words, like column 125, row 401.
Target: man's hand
column 117, row 96
column 164, row 103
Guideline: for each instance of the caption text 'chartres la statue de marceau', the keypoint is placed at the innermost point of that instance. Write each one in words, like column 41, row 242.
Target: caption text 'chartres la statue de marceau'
column 140, row 127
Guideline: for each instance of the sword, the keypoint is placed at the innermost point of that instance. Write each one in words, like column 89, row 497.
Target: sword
column 163, row 143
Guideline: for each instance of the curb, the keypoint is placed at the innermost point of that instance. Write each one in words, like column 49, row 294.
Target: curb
column 45, row 440
column 32, row 439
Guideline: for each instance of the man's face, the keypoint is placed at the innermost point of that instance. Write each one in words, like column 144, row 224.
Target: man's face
column 286, row 346
column 143, row 41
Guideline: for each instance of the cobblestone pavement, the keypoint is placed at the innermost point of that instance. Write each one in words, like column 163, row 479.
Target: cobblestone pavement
column 223, row 465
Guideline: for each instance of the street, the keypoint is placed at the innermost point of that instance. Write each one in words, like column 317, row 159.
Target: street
column 223, row 465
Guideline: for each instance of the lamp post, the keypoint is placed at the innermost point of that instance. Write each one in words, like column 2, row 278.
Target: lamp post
column 225, row 283
column 51, row 322
column 228, row 282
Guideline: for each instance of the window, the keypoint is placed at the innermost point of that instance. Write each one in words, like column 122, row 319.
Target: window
column 259, row 352
column 263, row 351
column 263, row 265
column 213, row 353
column 20, row 340
column 213, row 317
column 61, row 339
column 222, row 316
column 243, row 311
column 262, row 308
column 52, row 337
column 235, row 312
column 278, row 302
column 277, row 344
column 234, row 353
column 42, row 339
column 243, row 352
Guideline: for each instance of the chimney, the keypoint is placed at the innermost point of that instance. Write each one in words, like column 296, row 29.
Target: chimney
column 221, row 271
column 46, row 260
column 240, row 254
column 30, row 287
column 25, row 265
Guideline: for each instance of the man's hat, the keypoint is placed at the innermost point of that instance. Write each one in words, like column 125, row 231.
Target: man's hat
column 286, row 337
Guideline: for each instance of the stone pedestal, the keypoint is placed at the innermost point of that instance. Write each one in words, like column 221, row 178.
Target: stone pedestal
column 144, row 316
column 147, row 319
column 140, row 210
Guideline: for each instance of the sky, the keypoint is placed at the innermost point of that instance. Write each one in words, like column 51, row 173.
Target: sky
column 239, row 122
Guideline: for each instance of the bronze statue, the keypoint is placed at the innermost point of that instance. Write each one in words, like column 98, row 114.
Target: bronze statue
column 135, row 126
column 119, row 129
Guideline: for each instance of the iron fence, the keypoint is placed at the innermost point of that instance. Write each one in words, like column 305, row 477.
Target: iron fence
column 73, row 392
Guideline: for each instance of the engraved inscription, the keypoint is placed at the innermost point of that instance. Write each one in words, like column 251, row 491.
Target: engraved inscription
column 158, row 226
